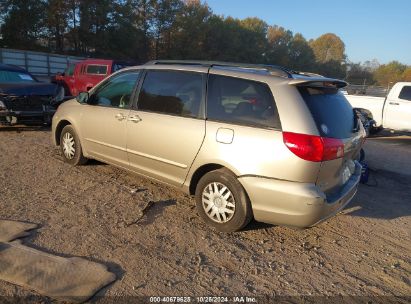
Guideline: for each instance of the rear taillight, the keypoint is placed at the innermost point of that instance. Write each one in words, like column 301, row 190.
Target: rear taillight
column 314, row 148
column 333, row 148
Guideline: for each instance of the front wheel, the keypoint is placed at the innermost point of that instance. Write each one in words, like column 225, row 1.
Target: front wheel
column 222, row 201
column 70, row 147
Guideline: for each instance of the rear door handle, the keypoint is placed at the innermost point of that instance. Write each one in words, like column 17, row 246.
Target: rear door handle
column 394, row 103
column 134, row 118
column 120, row 116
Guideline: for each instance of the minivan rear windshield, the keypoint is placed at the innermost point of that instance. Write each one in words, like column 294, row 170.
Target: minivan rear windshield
column 331, row 111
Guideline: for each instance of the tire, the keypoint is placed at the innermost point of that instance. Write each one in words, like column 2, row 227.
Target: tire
column 70, row 147
column 229, row 208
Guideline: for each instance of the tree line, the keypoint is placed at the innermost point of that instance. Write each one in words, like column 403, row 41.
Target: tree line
column 142, row 30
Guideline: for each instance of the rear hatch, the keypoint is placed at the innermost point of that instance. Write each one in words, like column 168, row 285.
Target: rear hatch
column 339, row 125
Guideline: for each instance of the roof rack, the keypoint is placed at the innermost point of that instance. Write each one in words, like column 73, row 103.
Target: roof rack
column 272, row 69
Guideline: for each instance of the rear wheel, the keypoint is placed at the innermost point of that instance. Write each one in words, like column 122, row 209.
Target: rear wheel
column 70, row 147
column 222, row 201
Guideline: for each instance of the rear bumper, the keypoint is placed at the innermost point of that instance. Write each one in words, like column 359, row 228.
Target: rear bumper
column 295, row 204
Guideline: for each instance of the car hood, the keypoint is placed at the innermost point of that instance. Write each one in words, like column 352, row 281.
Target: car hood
column 28, row 89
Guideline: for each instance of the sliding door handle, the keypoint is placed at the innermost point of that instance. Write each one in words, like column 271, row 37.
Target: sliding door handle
column 120, row 116
column 134, row 118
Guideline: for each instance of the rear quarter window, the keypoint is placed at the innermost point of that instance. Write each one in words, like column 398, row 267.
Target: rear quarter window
column 331, row 111
column 241, row 101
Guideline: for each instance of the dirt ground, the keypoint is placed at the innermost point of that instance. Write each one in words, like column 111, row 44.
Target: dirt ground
column 92, row 211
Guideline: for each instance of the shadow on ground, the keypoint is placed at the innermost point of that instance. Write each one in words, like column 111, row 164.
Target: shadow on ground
column 254, row 226
column 387, row 133
column 396, row 138
column 21, row 128
column 93, row 162
column 387, row 195
column 155, row 211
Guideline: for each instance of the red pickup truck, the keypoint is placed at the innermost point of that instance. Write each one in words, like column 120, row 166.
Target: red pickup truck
column 82, row 76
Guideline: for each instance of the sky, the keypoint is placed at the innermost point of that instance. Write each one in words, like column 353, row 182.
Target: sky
column 370, row 29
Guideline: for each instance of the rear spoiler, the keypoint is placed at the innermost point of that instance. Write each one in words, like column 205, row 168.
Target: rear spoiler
column 318, row 82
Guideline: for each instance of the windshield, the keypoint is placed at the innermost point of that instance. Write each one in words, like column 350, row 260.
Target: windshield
column 331, row 111
column 13, row 76
column 69, row 71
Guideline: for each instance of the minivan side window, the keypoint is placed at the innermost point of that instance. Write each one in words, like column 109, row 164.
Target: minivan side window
column 171, row 92
column 241, row 101
column 405, row 93
column 116, row 92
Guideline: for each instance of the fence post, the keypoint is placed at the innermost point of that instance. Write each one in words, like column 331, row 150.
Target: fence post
column 26, row 63
column 48, row 65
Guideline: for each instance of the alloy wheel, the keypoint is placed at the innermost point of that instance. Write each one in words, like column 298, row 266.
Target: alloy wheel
column 218, row 202
column 69, row 146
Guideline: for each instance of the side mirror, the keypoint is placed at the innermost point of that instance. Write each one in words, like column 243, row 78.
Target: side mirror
column 83, row 97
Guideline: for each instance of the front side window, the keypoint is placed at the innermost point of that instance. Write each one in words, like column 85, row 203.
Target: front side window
column 405, row 93
column 172, row 92
column 97, row 69
column 116, row 92
column 241, row 101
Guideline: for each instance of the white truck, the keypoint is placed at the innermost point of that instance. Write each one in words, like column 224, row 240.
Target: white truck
column 392, row 112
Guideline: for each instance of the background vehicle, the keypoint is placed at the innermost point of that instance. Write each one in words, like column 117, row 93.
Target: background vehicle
column 261, row 142
column 24, row 99
column 392, row 112
column 366, row 120
column 83, row 75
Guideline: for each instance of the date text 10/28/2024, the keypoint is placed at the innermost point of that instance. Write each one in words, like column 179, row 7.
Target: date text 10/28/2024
column 238, row 299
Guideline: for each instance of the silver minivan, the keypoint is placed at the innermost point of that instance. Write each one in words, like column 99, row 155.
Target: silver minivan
column 248, row 141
